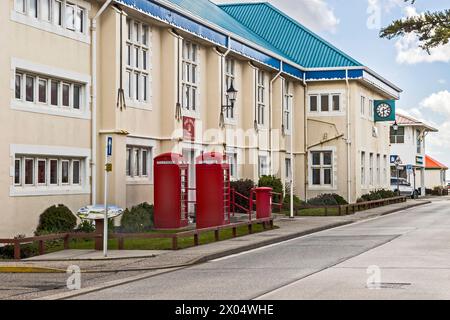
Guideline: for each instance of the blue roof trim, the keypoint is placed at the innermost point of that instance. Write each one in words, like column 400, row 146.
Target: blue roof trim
column 241, row 48
column 334, row 75
column 175, row 19
column 293, row 71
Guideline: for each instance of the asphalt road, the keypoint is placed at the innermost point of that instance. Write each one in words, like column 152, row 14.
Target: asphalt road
column 407, row 253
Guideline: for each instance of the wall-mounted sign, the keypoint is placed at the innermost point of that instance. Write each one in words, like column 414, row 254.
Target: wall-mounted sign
column 419, row 160
column 188, row 129
column 384, row 110
column 394, row 158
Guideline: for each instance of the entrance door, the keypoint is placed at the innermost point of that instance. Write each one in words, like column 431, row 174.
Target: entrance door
column 189, row 155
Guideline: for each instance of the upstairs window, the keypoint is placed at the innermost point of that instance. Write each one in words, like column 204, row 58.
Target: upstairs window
column 190, row 81
column 326, row 102
column 397, row 136
column 287, row 105
column 229, row 78
column 363, row 105
column 261, row 105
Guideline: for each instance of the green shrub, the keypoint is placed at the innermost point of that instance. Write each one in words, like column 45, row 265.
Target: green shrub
column 327, row 199
column 271, row 182
column 138, row 219
column 377, row 195
column 86, row 226
column 243, row 187
column 56, row 219
column 287, row 202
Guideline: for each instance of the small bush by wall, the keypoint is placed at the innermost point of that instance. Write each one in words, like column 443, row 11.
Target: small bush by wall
column 56, row 219
column 138, row 219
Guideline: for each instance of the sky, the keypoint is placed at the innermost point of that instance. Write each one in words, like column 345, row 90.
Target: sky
column 354, row 25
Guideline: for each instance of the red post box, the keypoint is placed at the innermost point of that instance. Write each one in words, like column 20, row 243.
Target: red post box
column 212, row 190
column 171, row 191
column 263, row 203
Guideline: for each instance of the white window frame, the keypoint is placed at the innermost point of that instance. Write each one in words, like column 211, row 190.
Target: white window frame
column 363, row 106
column 363, row 168
column 263, row 165
column 287, row 106
column 52, row 24
column 334, row 173
column 261, row 98
column 331, row 94
column 287, row 168
column 233, row 162
column 190, row 88
column 141, row 144
column 378, row 169
column 45, row 171
column 371, row 169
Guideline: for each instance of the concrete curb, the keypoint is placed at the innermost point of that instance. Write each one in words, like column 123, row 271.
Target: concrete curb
column 218, row 255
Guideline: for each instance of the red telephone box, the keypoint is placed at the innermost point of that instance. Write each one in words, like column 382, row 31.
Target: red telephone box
column 171, row 191
column 213, row 190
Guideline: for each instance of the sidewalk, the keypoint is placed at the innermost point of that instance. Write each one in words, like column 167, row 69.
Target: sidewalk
column 91, row 261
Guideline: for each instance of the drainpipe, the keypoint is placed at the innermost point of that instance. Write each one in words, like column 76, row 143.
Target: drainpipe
column 305, row 133
column 94, row 102
column 271, row 114
column 222, row 62
column 349, row 141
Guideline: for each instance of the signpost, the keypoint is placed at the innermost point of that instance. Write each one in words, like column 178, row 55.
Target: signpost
column 398, row 162
column 108, row 169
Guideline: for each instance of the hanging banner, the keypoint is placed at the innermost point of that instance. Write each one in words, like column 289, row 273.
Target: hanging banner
column 384, row 110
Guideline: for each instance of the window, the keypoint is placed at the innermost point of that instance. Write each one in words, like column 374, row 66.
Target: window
column 371, row 169
column 418, row 141
column 33, row 8
column 70, row 16
column 18, row 89
column 363, row 168
column 29, row 89
column 42, row 91
column 398, row 136
column 229, row 79
column 50, row 92
column 263, row 167
column 363, row 105
column 325, row 102
column 138, row 162
column 189, row 76
column 46, row 6
column 29, row 171
column 53, row 172
column 65, row 172
column 322, row 168
column 137, row 61
column 58, row 13
column 385, row 165
column 261, row 88
column 79, row 20
column 17, row 171
column 76, row 172
column 378, row 169
column 20, row 6
column 232, row 160
column 287, row 104
column 371, row 109
column 288, row 168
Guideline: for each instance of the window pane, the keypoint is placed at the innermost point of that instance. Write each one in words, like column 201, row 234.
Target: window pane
column 144, row 87
column 66, row 95
column 76, row 172
column 128, row 163
column 316, row 158
column 42, row 90
column 327, row 176
column 313, row 103
column 53, row 171
column 128, row 55
column 327, row 158
column 336, row 103
column 45, row 9
column 129, row 29
column 20, row 5
column 400, row 139
column 29, row 171
column 324, row 103
column 144, row 59
column 17, row 171
column 54, row 93
column 42, row 166
column 145, row 35
column 128, row 84
column 144, row 162
column 316, row 176
column 58, row 13
column 136, row 163
column 136, row 57
column 18, row 86
column 76, row 97
column 79, row 20
column 32, row 8
column 30, row 89
column 136, row 32
column 136, row 82
column 65, row 171
column 70, row 17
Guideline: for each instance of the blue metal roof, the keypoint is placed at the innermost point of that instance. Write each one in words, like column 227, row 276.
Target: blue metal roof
column 296, row 42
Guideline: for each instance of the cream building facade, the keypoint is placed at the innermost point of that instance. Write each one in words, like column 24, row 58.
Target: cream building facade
column 76, row 72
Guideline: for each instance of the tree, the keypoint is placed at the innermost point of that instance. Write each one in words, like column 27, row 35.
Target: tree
column 432, row 28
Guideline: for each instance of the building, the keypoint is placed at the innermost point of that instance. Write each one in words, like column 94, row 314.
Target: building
column 435, row 173
column 153, row 75
column 408, row 142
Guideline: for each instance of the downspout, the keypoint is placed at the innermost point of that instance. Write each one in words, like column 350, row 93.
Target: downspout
column 349, row 141
column 271, row 114
column 222, row 94
column 305, row 133
column 178, row 113
column 94, row 102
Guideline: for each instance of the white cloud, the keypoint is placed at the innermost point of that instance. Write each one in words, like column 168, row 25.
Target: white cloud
column 314, row 14
column 409, row 52
column 438, row 102
column 442, row 81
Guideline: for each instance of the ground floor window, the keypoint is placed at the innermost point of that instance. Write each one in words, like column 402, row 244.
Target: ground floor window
column 138, row 162
column 321, row 168
column 288, row 168
column 263, row 166
column 232, row 159
column 40, row 171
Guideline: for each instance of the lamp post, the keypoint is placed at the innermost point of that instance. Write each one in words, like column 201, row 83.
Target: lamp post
column 231, row 96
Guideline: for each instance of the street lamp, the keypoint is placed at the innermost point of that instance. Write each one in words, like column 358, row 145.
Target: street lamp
column 395, row 126
column 231, row 96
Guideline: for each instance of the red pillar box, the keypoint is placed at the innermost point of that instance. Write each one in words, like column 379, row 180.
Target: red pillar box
column 263, row 203
column 213, row 190
column 171, row 191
